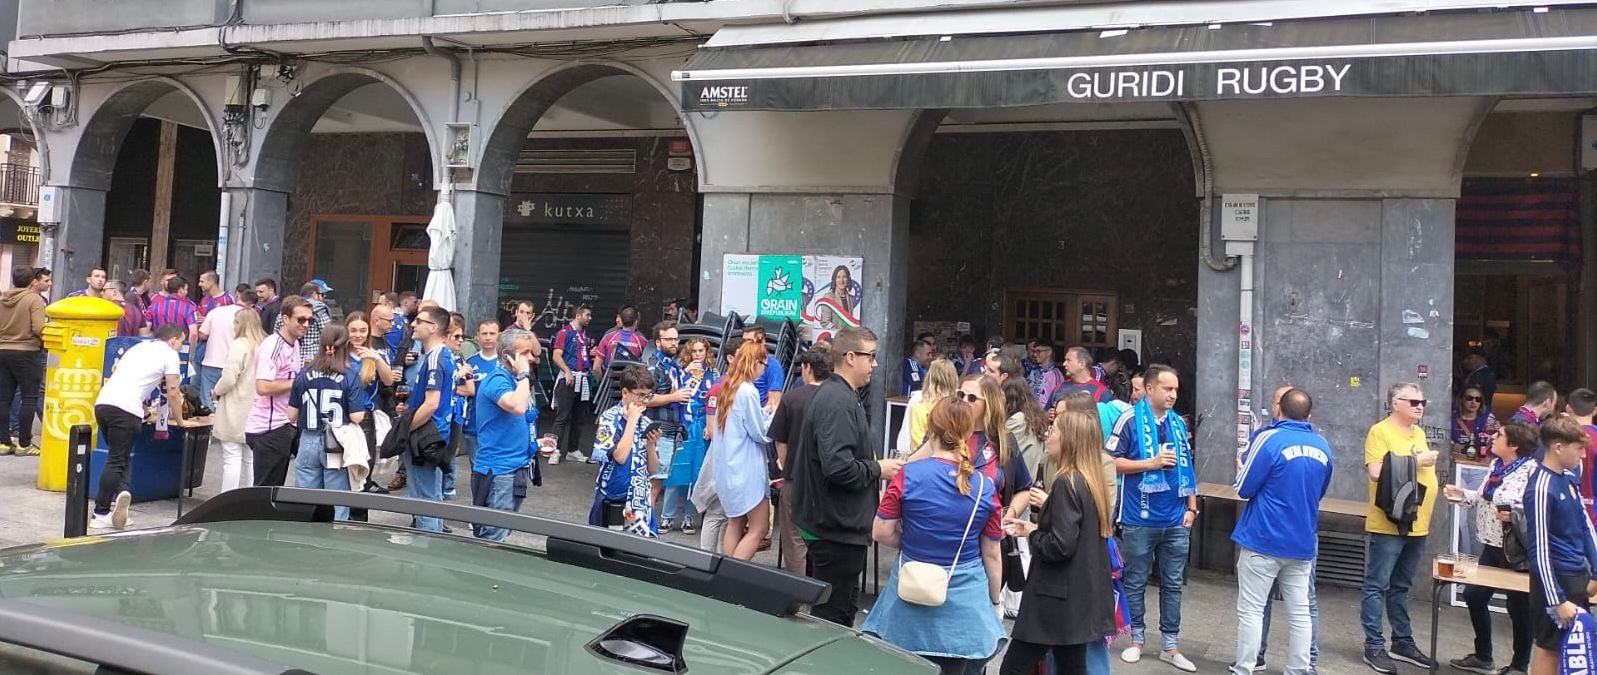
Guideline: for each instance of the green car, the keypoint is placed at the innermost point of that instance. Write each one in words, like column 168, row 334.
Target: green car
column 262, row 580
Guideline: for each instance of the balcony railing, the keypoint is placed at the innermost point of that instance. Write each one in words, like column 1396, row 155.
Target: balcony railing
column 19, row 184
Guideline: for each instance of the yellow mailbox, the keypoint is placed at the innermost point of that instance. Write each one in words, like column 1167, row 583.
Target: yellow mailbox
column 75, row 338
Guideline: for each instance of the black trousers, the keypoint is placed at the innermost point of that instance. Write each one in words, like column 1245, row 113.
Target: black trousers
column 368, row 424
column 839, row 565
column 273, row 452
column 1022, row 657
column 120, row 429
column 568, row 417
column 20, row 370
column 1478, row 599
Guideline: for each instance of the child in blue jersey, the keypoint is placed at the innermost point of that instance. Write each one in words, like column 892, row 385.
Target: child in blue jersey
column 1560, row 542
column 623, row 445
column 327, row 394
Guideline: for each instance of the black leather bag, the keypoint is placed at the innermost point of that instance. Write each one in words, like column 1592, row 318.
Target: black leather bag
column 1514, row 553
column 1014, row 570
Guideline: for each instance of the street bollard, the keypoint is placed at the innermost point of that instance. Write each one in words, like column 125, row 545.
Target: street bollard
column 80, row 441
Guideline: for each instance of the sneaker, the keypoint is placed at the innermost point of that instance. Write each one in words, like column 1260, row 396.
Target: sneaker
column 689, row 527
column 376, row 489
column 100, row 521
column 1132, row 654
column 1410, row 654
column 1179, row 660
column 7, row 448
column 554, row 459
column 119, row 509
column 1378, row 661
column 1474, row 664
column 30, row 450
column 1258, row 666
column 577, row 457
column 449, row 495
column 1510, row 671
column 667, row 526
column 448, row 529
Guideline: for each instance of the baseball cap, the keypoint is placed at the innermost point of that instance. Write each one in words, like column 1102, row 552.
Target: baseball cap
column 322, row 285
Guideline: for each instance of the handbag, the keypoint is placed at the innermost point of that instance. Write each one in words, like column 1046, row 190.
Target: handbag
column 1514, row 553
column 926, row 584
column 1013, row 559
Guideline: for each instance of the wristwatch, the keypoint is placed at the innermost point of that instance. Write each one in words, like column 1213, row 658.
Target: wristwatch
column 523, row 375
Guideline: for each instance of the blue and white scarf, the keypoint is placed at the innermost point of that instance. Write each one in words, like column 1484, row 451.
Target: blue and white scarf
column 1174, row 428
column 1580, row 638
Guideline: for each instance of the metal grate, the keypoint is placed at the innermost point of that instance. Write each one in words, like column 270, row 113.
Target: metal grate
column 577, row 161
column 1341, row 560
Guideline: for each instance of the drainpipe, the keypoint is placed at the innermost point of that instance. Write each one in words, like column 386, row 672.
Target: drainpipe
column 446, row 194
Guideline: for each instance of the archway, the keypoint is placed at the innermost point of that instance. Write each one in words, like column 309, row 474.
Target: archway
column 23, row 164
column 598, row 174
column 351, row 156
column 145, row 176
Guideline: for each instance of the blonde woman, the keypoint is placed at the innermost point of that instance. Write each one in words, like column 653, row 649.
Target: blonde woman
column 942, row 380
column 234, row 395
column 1070, row 555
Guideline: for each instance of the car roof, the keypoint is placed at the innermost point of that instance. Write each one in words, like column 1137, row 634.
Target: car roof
column 359, row 598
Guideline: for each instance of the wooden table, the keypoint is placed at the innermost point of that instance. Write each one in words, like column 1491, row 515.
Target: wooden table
column 1340, row 507
column 1495, row 578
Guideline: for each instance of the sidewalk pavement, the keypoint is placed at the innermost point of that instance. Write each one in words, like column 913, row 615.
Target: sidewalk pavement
column 1208, row 603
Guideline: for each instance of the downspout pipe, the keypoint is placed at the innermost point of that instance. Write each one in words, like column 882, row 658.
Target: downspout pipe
column 447, row 193
column 1200, row 150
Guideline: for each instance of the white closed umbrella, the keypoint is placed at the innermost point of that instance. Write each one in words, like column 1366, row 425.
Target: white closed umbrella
column 441, row 255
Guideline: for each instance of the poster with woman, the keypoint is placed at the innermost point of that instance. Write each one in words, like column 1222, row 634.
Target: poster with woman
column 832, row 294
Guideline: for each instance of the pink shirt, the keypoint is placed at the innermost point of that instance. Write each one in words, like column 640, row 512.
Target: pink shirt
column 276, row 360
column 219, row 325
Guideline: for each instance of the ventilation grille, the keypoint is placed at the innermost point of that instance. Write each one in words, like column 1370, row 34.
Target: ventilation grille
column 577, row 161
column 1341, row 560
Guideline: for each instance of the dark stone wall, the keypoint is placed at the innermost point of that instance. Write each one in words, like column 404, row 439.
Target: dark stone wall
column 1069, row 210
column 389, row 174
column 386, row 174
column 665, row 217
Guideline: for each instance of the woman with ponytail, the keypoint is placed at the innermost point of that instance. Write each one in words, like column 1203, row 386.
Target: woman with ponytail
column 942, row 511
column 1070, row 568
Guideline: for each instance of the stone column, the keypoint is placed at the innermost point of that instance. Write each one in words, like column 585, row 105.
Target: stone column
column 78, row 243
column 256, row 221
column 480, row 223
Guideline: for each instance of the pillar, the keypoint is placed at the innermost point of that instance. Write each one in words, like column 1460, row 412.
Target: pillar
column 255, row 230
column 479, row 223
column 78, row 244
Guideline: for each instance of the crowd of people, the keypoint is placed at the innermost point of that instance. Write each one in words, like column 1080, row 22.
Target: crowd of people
column 1019, row 488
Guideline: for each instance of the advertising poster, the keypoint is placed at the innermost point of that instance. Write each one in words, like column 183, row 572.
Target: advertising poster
column 832, row 294
column 823, row 292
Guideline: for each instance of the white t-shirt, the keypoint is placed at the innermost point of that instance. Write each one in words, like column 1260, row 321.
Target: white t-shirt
column 140, row 370
column 220, row 327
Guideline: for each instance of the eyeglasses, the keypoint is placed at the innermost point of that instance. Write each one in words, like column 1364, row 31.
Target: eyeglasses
column 969, row 397
column 868, row 355
column 1474, row 399
column 425, row 321
column 1416, row 402
column 302, row 320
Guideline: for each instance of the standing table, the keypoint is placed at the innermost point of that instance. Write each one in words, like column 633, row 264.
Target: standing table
column 1494, row 578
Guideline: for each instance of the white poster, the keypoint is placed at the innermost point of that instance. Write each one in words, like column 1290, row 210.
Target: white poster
column 739, row 284
column 833, row 294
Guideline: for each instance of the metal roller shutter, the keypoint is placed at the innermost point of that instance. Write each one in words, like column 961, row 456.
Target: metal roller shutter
column 561, row 266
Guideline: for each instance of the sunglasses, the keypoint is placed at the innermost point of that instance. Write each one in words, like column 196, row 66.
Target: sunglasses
column 1474, row 399
column 426, row 321
column 868, row 355
column 968, row 397
column 302, row 320
column 1416, row 402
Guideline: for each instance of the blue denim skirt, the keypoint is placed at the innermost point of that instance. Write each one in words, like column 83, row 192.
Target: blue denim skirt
column 965, row 626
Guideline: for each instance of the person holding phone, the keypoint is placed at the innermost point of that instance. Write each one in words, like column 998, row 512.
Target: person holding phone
column 624, row 445
column 1500, row 492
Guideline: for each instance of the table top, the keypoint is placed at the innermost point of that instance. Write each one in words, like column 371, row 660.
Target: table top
column 1342, row 507
column 898, row 400
column 1489, row 577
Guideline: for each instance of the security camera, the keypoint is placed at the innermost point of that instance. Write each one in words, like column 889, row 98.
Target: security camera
column 37, row 93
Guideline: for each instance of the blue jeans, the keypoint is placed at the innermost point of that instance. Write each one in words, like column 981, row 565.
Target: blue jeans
column 502, row 496
column 1314, row 620
column 310, row 469
column 1389, row 567
column 426, row 482
column 1097, row 658
column 1141, row 547
column 208, row 378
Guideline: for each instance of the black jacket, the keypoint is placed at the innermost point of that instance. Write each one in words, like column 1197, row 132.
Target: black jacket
column 1398, row 492
column 1069, row 572
column 832, row 467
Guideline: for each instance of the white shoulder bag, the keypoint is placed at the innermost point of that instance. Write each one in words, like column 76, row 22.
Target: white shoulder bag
column 926, row 584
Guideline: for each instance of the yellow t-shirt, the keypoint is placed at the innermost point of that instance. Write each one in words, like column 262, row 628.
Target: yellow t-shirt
column 919, row 414
column 1385, row 437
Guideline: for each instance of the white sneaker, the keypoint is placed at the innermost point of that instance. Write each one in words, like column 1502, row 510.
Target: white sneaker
column 1179, row 660
column 100, row 521
column 554, row 459
column 576, row 457
column 1132, row 654
column 119, row 509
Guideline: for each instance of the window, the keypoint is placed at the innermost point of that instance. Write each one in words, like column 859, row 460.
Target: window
column 1070, row 318
column 1521, row 320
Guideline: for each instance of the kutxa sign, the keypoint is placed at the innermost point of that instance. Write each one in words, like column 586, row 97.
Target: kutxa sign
column 1527, row 73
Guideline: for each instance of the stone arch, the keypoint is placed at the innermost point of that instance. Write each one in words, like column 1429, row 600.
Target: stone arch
column 504, row 143
column 285, row 138
column 95, row 158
